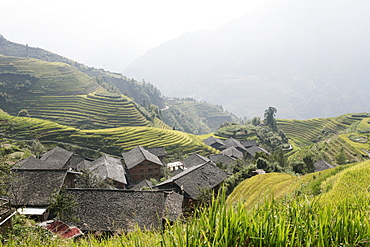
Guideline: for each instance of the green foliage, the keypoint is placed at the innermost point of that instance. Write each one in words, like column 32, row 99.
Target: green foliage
column 341, row 157
column 63, row 204
column 270, row 118
column 37, row 148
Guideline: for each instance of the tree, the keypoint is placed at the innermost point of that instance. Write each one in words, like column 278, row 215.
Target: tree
column 37, row 148
column 256, row 121
column 63, row 204
column 341, row 157
column 270, row 118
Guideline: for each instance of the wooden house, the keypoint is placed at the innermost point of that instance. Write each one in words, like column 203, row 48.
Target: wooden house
column 160, row 152
column 107, row 168
column 215, row 143
column 222, row 158
column 33, row 188
column 194, row 179
column 233, row 152
column 231, row 142
column 142, row 164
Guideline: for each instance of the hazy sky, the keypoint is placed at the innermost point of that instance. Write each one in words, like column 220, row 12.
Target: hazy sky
column 109, row 34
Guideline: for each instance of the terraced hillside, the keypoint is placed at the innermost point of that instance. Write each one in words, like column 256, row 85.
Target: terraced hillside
column 59, row 92
column 331, row 185
column 112, row 140
column 306, row 132
column 206, row 118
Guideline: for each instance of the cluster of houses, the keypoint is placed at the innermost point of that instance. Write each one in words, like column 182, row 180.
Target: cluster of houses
column 132, row 200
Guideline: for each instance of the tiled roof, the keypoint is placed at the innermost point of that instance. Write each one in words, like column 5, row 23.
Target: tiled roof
column 232, row 152
column 221, row 158
column 142, row 184
column 231, row 142
column 194, row 160
column 138, row 155
column 56, row 158
column 254, row 149
column 157, row 151
column 111, row 210
column 206, row 175
column 33, row 187
column 249, row 143
column 108, row 167
column 214, row 142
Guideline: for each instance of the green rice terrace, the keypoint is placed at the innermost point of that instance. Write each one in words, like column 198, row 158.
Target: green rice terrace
column 325, row 138
column 111, row 140
column 61, row 93
column 306, row 132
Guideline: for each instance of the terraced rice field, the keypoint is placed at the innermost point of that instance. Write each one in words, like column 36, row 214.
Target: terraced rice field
column 306, row 132
column 72, row 110
column 112, row 140
column 332, row 185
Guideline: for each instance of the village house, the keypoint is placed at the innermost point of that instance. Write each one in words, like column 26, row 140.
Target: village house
column 31, row 189
column 160, row 152
column 143, row 185
column 194, row 160
column 142, row 164
column 222, row 158
column 249, row 143
column 57, row 158
column 232, row 152
column 215, row 143
column 121, row 210
column 251, row 152
column 193, row 180
column 231, row 142
column 107, row 168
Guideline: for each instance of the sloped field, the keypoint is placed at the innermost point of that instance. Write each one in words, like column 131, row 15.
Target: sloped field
column 330, row 186
column 112, row 140
column 306, row 132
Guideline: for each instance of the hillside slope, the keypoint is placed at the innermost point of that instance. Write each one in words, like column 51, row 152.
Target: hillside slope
column 329, row 186
column 60, row 92
column 112, row 140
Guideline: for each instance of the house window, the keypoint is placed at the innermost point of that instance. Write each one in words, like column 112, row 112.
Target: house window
column 155, row 169
column 141, row 164
column 149, row 164
column 149, row 169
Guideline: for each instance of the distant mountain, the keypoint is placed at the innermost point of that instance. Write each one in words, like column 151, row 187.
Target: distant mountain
column 307, row 58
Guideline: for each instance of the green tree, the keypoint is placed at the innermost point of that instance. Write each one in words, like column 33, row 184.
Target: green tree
column 63, row 204
column 270, row 118
column 256, row 121
column 341, row 157
column 37, row 148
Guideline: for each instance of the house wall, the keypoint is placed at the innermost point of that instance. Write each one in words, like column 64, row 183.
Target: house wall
column 145, row 170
